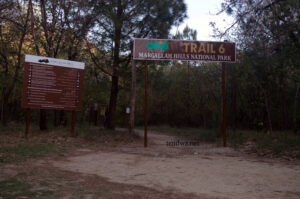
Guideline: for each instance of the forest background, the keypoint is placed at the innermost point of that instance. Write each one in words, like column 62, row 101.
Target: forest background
column 263, row 86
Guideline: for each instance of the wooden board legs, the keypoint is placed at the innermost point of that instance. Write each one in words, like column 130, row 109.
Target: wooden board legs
column 27, row 123
column 73, row 134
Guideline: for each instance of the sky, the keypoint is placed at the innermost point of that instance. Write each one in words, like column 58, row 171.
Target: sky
column 200, row 13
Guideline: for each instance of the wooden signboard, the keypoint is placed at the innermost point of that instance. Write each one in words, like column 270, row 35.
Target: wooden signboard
column 52, row 83
column 165, row 49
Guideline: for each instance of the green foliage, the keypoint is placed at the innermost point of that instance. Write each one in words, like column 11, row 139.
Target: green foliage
column 182, row 94
column 268, row 37
column 118, row 22
column 187, row 34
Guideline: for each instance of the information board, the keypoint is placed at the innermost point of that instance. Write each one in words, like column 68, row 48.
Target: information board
column 165, row 49
column 52, row 83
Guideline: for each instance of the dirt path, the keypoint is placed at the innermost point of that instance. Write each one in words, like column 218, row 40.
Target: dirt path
column 206, row 170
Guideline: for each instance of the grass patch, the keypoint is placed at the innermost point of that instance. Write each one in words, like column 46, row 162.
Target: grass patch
column 15, row 128
column 13, row 188
column 279, row 143
column 54, row 142
column 16, row 187
column 12, row 128
column 237, row 139
column 46, row 193
column 101, row 135
column 203, row 135
column 23, row 152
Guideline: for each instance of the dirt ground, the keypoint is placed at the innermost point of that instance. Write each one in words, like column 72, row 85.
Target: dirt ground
column 205, row 170
column 160, row 171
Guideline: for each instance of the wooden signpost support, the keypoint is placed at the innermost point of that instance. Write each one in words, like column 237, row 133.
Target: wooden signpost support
column 146, row 106
column 224, row 103
column 52, row 84
column 167, row 49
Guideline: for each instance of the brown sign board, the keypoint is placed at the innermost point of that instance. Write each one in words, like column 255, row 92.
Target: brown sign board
column 165, row 49
column 52, row 83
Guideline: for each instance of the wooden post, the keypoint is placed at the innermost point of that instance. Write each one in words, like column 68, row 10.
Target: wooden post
column 224, row 103
column 27, row 122
column 146, row 106
column 73, row 124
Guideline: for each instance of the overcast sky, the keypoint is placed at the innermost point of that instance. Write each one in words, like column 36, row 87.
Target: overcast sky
column 200, row 13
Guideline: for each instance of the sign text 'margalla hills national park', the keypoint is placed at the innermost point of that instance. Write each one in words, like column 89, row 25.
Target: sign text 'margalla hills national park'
column 155, row 49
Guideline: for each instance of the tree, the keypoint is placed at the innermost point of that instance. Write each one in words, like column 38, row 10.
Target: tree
column 268, row 34
column 187, row 34
column 14, row 24
column 58, row 28
column 78, row 19
column 47, row 27
column 120, row 21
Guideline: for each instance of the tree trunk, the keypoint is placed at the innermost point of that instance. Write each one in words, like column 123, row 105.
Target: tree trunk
column 233, row 100
column 266, row 101
column 4, row 108
column 284, row 110
column 43, row 117
column 132, row 97
column 268, row 112
column 284, row 115
column 110, row 119
column 1, row 110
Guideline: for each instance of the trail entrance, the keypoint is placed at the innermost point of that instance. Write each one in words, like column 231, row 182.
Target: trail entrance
column 165, row 49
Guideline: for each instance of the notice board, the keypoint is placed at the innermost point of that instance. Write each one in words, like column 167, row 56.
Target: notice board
column 52, row 83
